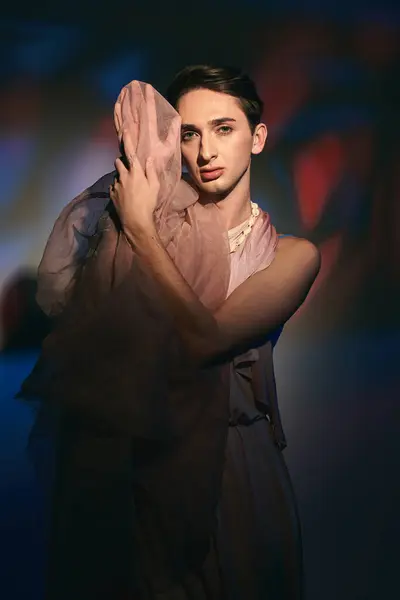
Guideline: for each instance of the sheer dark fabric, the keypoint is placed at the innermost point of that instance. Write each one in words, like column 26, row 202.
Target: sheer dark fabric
column 140, row 433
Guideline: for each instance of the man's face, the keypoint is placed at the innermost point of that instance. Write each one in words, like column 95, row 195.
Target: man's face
column 216, row 140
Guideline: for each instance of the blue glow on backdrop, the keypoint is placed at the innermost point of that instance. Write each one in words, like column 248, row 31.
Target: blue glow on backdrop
column 329, row 80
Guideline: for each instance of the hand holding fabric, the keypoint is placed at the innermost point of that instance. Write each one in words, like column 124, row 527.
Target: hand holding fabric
column 135, row 193
column 136, row 190
column 148, row 153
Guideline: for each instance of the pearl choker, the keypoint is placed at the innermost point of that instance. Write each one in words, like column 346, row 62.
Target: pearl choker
column 237, row 235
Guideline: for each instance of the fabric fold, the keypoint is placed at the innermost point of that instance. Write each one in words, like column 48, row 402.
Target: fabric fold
column 134, row 415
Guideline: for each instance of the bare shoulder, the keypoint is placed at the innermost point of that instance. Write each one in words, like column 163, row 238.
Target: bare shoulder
column 295, row 243
column 299, row 251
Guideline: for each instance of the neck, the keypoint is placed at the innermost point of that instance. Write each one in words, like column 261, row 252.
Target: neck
column 234, row 205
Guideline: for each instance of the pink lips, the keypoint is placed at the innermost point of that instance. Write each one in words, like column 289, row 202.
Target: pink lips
column 211, row 175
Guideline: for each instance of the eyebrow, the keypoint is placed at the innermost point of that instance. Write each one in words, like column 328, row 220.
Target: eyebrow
column 213, row 123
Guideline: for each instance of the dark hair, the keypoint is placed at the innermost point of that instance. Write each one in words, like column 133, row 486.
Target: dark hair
column 226, row 80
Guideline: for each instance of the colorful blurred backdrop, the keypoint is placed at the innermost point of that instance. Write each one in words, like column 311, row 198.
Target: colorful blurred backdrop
column 329, row 76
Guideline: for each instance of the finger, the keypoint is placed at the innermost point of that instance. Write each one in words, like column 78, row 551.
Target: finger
column 118, row 113
column 137, row 169
column 115, row 186
column 129, row 146
column 121, row 168
column 151, row 173
column 112, row 192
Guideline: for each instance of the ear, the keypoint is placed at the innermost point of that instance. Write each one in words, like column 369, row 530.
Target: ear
column 259, row 138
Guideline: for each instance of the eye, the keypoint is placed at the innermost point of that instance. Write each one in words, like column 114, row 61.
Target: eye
column 186, row 136
column 224, row 130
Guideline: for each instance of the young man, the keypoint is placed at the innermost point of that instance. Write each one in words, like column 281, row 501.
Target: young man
column 171, row 483
column 221, row 131
column 257, row 542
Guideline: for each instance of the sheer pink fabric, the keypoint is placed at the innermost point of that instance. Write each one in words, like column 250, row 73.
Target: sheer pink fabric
column 182, row 222
column 136, row 415
column 256, row 254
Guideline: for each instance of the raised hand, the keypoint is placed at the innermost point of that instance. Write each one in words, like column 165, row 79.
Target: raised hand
column 135, row 193
column 136, row 189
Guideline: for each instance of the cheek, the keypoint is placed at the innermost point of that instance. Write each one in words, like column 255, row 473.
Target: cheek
column 246, row 146
column 239, row 153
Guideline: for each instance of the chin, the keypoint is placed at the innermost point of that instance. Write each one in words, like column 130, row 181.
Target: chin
column 214, row 187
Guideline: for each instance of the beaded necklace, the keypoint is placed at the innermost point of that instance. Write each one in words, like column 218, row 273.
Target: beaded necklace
column 238, row 234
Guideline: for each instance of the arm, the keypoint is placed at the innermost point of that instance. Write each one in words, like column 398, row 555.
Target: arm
column 262, row 303
column 252, row 312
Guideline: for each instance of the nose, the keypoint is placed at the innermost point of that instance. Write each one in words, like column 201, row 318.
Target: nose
column 207, row 150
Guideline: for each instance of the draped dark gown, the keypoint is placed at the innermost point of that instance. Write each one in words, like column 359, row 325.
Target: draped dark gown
column 98, row 552
column 141, row 484
column 256, row 551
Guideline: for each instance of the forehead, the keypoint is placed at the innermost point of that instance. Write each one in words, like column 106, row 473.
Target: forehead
column 198, row 107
